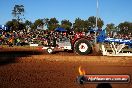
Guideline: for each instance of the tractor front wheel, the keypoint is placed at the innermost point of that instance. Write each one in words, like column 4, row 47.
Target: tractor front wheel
column 50, row 50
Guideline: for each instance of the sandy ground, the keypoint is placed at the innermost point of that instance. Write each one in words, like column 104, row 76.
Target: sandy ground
column 29, row 68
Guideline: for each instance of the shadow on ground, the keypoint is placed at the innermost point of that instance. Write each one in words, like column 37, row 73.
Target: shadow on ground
column 7, row 57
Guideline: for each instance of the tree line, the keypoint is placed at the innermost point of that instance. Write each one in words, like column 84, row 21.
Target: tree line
column 52, row 23
column 79, row 25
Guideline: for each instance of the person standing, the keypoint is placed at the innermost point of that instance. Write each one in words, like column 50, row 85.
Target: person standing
column 10, row 42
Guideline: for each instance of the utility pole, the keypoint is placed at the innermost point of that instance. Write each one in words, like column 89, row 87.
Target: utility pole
column 96, row 27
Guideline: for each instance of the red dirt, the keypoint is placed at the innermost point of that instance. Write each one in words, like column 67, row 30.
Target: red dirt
column 41, row 70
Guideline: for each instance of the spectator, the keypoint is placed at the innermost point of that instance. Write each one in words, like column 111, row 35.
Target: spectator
column 11, row 42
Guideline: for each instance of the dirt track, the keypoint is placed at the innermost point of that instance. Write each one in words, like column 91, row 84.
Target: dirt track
column 33, row 69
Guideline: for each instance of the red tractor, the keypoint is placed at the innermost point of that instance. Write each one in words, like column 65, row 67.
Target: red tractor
column 81, row 43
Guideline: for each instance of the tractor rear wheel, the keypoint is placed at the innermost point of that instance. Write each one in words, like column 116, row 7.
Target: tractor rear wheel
column 82, row 47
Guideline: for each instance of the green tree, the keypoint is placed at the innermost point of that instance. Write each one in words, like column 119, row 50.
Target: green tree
column 78, row 25
column 110, row 27
column 86, row 25
column 18, row 11
column 21, row 26
column 125, row 27
column 53, row 23
column 28, row 24
column 81, row 25
column 9, row 24
column 15, row 25
column 33, row 27
column 66, row 24
column 39, row 23
column 92, row 22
